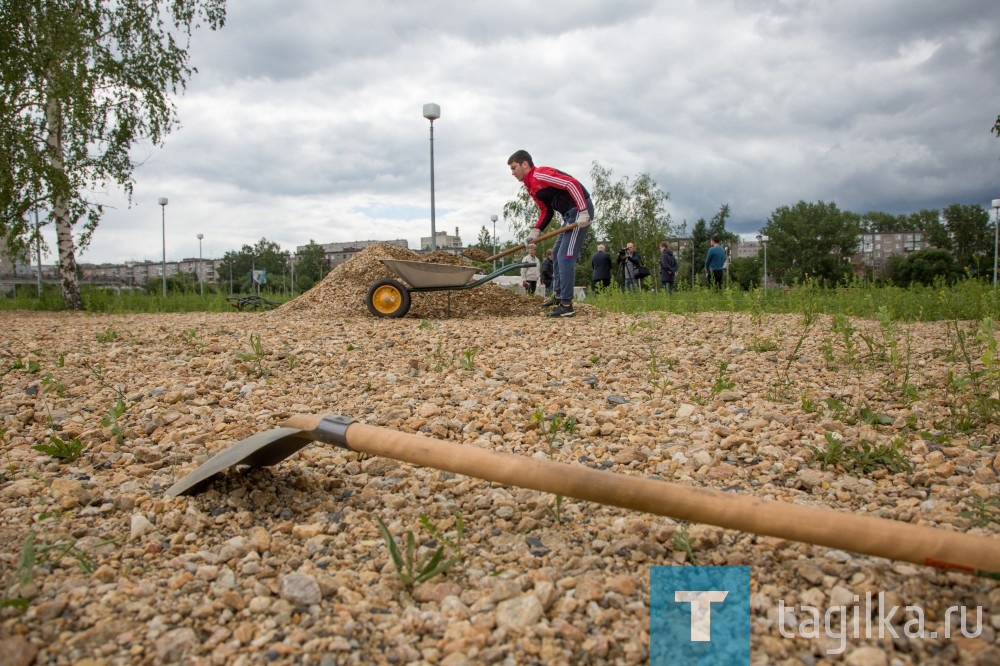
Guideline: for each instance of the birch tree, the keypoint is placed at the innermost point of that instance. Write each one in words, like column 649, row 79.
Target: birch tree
column 81, row 82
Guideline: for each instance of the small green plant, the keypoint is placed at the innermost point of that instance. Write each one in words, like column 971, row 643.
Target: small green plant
column 551, row 432
column 35, row 553
column 350, row 347
column 52, row 385
column 468, row 360
column 982, row 511
column 413, row 567
column 107, row 335
column 722, row 382
column 761, row 345
column 61, row 450
column 293, row 361
column 833, row 454
column 808, row 405
column 425, row 324
column 34, row 367
column 254, row 358
column 683, row 542
column 865, row 457
column 439, row 358
column 594, row 359
column 111, row 420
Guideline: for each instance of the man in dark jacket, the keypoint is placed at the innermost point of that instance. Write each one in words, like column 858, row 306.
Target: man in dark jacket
column 600, row 263
column 546, row 273
column 668, row 266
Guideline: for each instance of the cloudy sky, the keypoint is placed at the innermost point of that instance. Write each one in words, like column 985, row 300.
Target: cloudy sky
column 305, row 121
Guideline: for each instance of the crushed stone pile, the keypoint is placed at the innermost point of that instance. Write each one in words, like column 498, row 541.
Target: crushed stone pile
column 343, row 292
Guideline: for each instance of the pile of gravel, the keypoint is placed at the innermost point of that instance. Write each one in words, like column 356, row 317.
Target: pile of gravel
column 342, row 293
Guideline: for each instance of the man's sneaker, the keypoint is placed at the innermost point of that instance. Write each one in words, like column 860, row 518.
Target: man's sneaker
column 549, row 302
column 563, row 311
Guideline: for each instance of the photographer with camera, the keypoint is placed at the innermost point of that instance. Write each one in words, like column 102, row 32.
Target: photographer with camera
column 600, row 263
column 629, row 262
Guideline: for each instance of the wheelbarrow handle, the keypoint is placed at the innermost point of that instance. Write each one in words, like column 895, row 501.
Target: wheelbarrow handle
column 520, row 248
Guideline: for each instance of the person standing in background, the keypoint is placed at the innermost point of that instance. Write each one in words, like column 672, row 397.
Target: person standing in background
column 668, row 266
column 715, row 263
column 530, row 274
column 546, row 273
column 600, row 264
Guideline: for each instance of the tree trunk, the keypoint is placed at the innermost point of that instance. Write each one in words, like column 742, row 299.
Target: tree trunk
column 60, row 210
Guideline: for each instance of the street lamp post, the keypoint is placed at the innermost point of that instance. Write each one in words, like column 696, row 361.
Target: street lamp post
column 996, row 237
column 493, row 218
column 432, row 112
column 201, row 268
column 163, row 222
column 763, row 241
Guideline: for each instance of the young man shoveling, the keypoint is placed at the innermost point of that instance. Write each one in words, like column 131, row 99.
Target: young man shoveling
column 556, row 192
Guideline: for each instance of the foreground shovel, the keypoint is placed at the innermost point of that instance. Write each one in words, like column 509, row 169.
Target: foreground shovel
column 979, row 555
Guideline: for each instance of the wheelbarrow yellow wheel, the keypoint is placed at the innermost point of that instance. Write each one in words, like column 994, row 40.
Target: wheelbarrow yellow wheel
column 388, row 298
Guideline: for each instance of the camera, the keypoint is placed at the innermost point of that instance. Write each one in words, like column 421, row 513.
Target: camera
column 621, row 252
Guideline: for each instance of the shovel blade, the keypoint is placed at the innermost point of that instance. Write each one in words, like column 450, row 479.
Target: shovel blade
column 260, row 450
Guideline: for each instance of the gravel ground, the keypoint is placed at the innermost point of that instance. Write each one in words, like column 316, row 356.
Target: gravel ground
column 286, row 564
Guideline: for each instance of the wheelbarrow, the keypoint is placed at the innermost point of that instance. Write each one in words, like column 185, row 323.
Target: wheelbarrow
column 390, row 298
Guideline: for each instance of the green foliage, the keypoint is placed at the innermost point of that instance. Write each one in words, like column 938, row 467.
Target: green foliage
column 722, row 382
column 309, row 266
column 683, row 542
column 82, row 84
column 36, row 552
column 267, row 256
column 973, row 395
column 865, row 457
column 254, row 359
column 468, row 360
column 811, row 240
column 551, row 432
column 412, row 567
column 111, row 420
column 925, row 267
column 982, row 511
column 107, row 335
column 63, row 451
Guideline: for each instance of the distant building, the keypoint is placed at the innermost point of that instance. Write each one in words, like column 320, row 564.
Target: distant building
column 442, row 241
column 747, row 249
column 877, row 248
column 335, row 254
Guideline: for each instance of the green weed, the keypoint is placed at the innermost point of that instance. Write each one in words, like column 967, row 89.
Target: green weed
column 111, row 420
column 254, row 358
column 551, row 432
column 982, row 511
column 683, row 542
column 61, row 450
column 722, row 382
column 468, row 360
column 412, row 567
column 107, row 335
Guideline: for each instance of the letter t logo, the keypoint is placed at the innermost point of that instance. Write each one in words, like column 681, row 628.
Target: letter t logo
column 701, row 610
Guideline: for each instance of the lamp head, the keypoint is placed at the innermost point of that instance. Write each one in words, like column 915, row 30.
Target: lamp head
column 200, row 236
column 996, row 203
column 493, row 218
column 432, row 112
column 163, row 201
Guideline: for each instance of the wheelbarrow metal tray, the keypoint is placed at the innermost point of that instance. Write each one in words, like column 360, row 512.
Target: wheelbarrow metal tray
column 422, row 274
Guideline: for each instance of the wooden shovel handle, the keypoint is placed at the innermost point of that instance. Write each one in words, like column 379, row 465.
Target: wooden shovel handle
column 871, row 535
column 521, row 247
